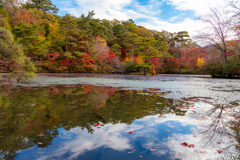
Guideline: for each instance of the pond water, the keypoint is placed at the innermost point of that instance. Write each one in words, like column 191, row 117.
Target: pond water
column 120, row 117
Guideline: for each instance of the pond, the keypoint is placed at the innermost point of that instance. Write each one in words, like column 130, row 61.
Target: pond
column 90, row 116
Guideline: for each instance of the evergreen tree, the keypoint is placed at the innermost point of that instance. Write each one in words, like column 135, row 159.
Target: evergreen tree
column 44, row 5
column 30, row 37
column 182, row 40
column 129, row 41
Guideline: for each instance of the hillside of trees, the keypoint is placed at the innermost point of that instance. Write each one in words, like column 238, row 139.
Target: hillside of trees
column 34, row 39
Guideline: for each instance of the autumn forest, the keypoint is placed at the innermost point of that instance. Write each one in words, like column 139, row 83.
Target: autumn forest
column 34, row 39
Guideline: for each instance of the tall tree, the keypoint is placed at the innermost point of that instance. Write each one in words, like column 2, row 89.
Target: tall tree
column 129, row 41
column 145, row 48
column 44, row 5
column 31, row 37
column 85, row 23
column 182, row 40
column 218, row 31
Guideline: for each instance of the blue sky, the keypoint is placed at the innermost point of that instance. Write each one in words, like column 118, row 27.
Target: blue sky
column 170, row 15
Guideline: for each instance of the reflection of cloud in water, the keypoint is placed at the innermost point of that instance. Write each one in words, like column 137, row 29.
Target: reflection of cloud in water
column 84, row 142
column 121, row 140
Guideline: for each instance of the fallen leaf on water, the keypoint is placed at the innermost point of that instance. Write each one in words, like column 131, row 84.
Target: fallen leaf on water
column 184, row 144
column 191, row 146
column 40, row 135
column 55, row 127
column 132, row 148
column 131, row 132
column 218, row 142
column 144, row 125
column 96, row 125
column 194, row 111
column 77, row 132
column 130, row 152
column 168, row 130
column 108, row 141
column 198, row 151
column 153, row 149
column 230, row 137
column 39, row 143
column 219, row 151
column 192, row 106
column 162, row 116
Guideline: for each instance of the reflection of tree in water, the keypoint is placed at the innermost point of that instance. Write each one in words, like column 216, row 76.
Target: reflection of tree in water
column 221, row 123
column 35, row 111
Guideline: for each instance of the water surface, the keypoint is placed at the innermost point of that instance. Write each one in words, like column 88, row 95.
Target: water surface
column 120, row 117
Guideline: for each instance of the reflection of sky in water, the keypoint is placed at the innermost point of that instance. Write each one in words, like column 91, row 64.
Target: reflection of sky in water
column 112, row 141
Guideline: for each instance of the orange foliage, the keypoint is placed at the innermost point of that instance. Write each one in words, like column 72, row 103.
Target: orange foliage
column 24, row 16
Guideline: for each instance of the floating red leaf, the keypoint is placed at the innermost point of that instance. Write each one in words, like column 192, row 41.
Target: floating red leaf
column 219, row 151
column 162, row 116
column 168, row 130
column 40, row 135
column 131, row 132
column 184, row 144
column 96, row 125
column 191, row 146
column 194, row 111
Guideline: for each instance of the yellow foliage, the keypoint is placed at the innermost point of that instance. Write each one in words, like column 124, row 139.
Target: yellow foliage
column 42, row 38
column 54, row 30
column 200, row 62
column 140, row 60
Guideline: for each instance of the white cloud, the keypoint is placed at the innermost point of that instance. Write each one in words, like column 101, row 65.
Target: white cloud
column 132, row 9
column 200, row 7
column 192, row 26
